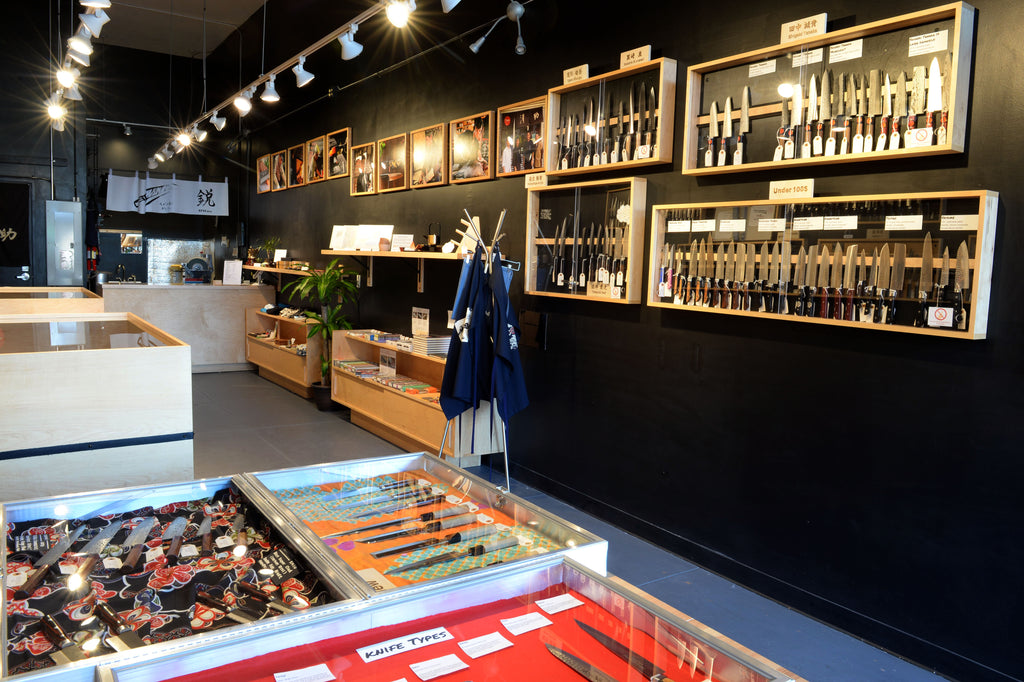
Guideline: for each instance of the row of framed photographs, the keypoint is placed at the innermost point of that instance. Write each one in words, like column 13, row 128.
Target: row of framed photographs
column 459, row 151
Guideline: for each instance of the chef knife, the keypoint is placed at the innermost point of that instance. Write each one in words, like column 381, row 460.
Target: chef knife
column 942, row 290
column 726, row 294
column 716, row 291
column 723, row 152
column 862, row 283
column 267, row 599
column 783, row 135
column 617, row 148
column 762, row 278
column 606, row 143
column 899, row 263
column 709, row 155
column 450, row 539
column 899, row 110
column 867, row 301
column 67, row 651
column 800, row 281
column 961, row 280
column 850, row 282
column 429, row 527
column 629, row 147
column 206, row 536
column 836, row 283
column 175, row 535
column 432, row 499
column 586, row 670
column 136, row 541
column 90, row 554
column 882, row 267
column 820, row 304
column 883, row 135
column 748, row 276
column 874, row 97
column 812, row 115
column 838, row 110
column 120, row 637
column 588, row 137
column 646, row 668
column 652, row 133
column 738, row 275
column 810, row 288
column 934, row 97
column 824, row 114
column 798, row 120
column 773, row 277
column 44, row 563
column 365, row 490
column 737, row 156
column 486, row 547
column 858, row 138
column 692, row 271
column 940, row 132
column 851, row 111
column 377, row 526
column 235, row 613
column 785, row 263
column 917, row 101
column 924, row 285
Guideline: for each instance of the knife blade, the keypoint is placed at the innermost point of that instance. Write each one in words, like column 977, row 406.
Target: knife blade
column 836, row 283
column 800, row 281
column 798, row 120
column 730, row 276
column 264, row 597
column 486, row 547
column 67, row 651
column 617, row 148
column 867, row 301
column 917, row 101
column 812, row 115
column 709, row 155
column 450, row 539
column 961, row 285
column 924, row 285
column 716, row 294
column 90, row 554
column 432, row 499
column 874, row 97
column 738, row 276
column 773, row 277
column 136, row 541
column 899, row 262
column 235, row 613
column 881, row 285
column 723, row 153
column 940, row 132
column 782, row 136
column 629, row 149
column 941, row 294
column 821, row 302
column 692, row 271
column 428, row 527
column 588, row 137
column 120, row 637
column 583, row 668
column 737, row 156
column 748, row 272
column 934, row 97
column 646, row 668
column 851, row 111
column 883, row 135
column 899, row 110
column 45, row 563
column 810, row 288
column 850, row 282
column 785, row 263
column 651, row 139
column 641, row 107
column 206, row 536
column 763, row 266
column 824, row 114
column 606, row 143
column 174, row 534
column 858, row 138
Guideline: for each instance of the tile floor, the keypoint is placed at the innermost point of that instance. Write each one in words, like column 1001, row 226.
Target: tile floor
column 245, row 423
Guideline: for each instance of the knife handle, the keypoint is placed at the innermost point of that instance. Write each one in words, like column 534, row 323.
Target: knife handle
column 921, row 320
column 891, row 314
column 879, row 305
column 30, row 585
column 85, row 569
column 911, row 121
column 773, row 299
column 930, row 119
column 737, row 297
column 109, row 616
column 175, row 547
column 848, row 305
column 132, row 560
column 823, row 302
column 837, row 303
column 959, row 319
column 54, row 632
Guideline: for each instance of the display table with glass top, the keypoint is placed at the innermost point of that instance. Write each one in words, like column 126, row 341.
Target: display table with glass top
column 41, row 300
column 91, row 401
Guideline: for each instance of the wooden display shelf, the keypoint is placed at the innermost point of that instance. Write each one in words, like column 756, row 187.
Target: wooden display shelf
column 600, row 203
column 883, row 44
column 961, row 208
column 418, row 256
column 284, row 271
column 573, row 100
column 277, row 361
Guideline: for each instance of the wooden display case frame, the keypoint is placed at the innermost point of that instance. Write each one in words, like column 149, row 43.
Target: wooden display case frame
column 21, row 302
column 981, row 253
column 666, row 79
column 960, row 43
column 631, row 290
column 277, row 361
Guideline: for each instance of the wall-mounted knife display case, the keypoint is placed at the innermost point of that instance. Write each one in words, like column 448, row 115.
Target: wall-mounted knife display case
column 89, row 575
column 581, row 242
column 615, row 121
column 889, row 89
column 554, row 620
column 404, row 521
column 915, row 263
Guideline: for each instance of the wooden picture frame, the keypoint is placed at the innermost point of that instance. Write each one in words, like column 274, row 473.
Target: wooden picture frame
column 519, row 148
column 363, row 178
column 296, row 165
column 337, row 150
column 470, row 145
column 263, row 174
column 279, row 170
column 393, row 163
column 428, row 156
column 315, row 160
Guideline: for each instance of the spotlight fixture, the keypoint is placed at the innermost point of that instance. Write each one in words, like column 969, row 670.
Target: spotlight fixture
column 54, row 107
column 58, row 125
column 96, row 4
column 79, row 57
column 218, row 121
column 80, row 42
column 350, row 49
column 151, row 163
column 513, row 12
column 127, row 130
column 71, row 92
column 269, row 91
column 94, row 21
column 184, row 138
column 161, row 155
column 398, row 11
column 243, row 102
column 176, row 146
column 199, row 134
column 302, row 77
column 67, row 76
column 449, row 5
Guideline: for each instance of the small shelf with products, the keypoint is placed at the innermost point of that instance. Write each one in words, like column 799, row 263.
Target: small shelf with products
column 260, row 269
column 581, row 242
column 889, row 89
column 620, row 120
column 282, row 349
column 915, row 263
column 419, row 256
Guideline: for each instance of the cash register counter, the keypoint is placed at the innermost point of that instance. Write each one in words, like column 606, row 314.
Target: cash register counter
column 208, row 317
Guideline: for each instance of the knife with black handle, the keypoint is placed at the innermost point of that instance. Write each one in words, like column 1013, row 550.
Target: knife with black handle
column 924, row 287
column 820, row 302
column 899, row 263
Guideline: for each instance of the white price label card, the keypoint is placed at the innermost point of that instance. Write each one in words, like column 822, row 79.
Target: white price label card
column 761, row 68
column 562, row 602
column 940, row 317
column 314, row 673
column 154, row 554
column 677, row 226
column 843, row 52
column 929, row 43
column 484, row 518
column 377, row 581
column 487, row 644
column 802, row 28
column 67, row 569
column 841, row 222
column 808, row 223
column 808, row 57
column 526, row 623
column 536, row 180
column 224, row 541
column 703, row 225
column 733, row 225
column 771, row 225
column 436, row 667
column 904, row 222
column 188, row 551
column 959, row 222
column 398, row 645
column 16, row 579
column 112, row 563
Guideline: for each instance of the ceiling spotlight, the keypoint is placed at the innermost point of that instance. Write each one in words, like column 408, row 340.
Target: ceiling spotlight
column 151, row 163
column 58, row 125
column 127, row 130
column 350, row 49
column 449, row 5
column 184, row 139
column 94, row 21
column 199, row 133
column 399, row 10
column 514, row 12
column 269, row 91
column 243, row 102
column 97, row 4
column 71, row 92
column 218, row 121
column 80, row 42
column 161, row 155
column 67, row 76
column 79, row 57
column 176, row 147
column 302, row 77
column 54, row 107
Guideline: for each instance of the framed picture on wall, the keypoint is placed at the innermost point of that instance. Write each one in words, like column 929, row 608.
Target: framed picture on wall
column 337, row 153
column 263, row 174
column 279, row 170
column 520, row 141
column 470, row 141
column 392, row 171
column 315, row 160
column 428, row 156
column 363, row 176
column 297, row 165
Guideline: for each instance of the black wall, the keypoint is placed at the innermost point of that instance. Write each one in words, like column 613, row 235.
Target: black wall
column 870, row 479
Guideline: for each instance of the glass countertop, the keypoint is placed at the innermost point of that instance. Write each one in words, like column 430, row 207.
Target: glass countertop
column 42, row 337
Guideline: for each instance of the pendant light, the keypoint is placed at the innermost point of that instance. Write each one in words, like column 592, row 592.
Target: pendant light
column 243, row 102
column 68, row 76
column 302, row 77
column 80, row 42
column 94, row 22
column 269, row 91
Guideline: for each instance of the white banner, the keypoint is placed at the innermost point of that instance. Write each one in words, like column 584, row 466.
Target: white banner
column 133, row 194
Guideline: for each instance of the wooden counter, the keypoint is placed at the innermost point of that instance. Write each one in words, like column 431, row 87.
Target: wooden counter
column 208, row 317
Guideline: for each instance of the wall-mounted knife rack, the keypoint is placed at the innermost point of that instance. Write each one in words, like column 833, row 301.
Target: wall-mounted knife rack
column 589, row 229
column 945, row 33
column 607, row 92
column 695, row 263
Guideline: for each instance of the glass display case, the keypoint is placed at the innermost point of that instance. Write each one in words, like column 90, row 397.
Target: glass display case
column 398, row 522
column 40, row 300
column 90, row 575
column 551, row 620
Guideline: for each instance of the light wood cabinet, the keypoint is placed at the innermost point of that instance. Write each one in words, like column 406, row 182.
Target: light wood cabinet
column 280, row 356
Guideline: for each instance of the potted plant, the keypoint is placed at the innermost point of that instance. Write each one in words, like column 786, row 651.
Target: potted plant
column 330, row 289
column 265, row 248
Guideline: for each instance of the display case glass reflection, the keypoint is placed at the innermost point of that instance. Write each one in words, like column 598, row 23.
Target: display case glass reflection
column 520, row 139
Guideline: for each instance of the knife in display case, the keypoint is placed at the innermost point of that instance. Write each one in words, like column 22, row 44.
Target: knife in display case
column 850, row 282
column 709, row 154
column 45, row 563
column 135, row 543
column 924, row 285
column 744, row 129
column 836, row 283
column 120, row 636
column 960, row 286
